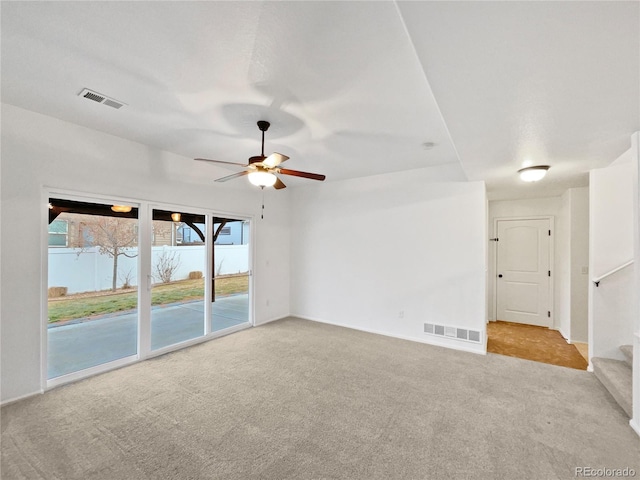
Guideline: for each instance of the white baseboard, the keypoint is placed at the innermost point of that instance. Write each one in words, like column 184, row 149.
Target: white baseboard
column 274, row 319
column 481, row 349
column 569, row 340
column 635, row 426
column 19, row 398
column 564, row 335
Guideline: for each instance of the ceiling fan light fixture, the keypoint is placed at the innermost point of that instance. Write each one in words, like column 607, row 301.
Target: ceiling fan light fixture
column 121, row 208
column 175, row 216
column 262, row 179
column 533, row 174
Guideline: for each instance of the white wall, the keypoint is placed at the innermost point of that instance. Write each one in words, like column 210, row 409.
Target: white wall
column 387, row 253
column 612, row 314
column 611, row 210
column 579, row 267
column 562, row 277
column 39, row 151
column 635, row 159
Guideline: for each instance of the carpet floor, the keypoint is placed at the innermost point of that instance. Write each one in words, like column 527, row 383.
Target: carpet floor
column 295, row 399
column 539, row 344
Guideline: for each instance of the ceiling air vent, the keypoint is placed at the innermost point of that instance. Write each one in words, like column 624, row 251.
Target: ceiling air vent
column 103, row 99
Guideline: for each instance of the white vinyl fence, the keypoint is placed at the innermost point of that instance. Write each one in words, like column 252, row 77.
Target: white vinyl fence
column 89, row 271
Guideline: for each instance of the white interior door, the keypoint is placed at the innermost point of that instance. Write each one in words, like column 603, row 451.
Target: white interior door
column 523, row 272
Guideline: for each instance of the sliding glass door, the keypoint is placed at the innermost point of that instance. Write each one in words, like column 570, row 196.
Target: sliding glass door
column 92, row 285
column 178, row 264
column 129, row 281
column 231, row 280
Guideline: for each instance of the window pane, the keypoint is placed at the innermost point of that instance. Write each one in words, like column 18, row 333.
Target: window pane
column 59, row 226
column 58, row 233
column 57, row 240
column 178, row 264
column 92, row 305
column 230, row 305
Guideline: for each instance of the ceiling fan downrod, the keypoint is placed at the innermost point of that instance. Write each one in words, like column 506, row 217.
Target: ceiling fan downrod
column 263, row 125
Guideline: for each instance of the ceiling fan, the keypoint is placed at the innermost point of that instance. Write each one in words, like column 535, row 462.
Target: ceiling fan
column 262, row 170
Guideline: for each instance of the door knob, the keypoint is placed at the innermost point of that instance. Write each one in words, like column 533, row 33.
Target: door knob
column 500, row 275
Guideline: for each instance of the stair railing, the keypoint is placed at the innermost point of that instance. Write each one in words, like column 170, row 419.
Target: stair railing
column 596, row 281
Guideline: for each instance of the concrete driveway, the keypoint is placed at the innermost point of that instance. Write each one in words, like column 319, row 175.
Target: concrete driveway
column 85, row 344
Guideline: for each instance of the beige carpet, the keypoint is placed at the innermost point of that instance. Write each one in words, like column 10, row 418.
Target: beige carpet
column 300, row 400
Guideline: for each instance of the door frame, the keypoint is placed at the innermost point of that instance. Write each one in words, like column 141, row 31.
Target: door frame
column 494, row 264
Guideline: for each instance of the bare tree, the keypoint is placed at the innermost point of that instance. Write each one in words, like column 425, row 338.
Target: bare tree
column 113, row 236
column 219, row 268
column 126, row 279
column 167, row 265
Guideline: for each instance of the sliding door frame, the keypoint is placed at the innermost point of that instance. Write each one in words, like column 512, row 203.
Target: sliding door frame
column 145, row 217
column 250, row 253
column 146, row 348
column 49, row 192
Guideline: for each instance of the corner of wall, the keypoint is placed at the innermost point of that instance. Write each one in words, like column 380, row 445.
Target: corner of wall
column 635, row 149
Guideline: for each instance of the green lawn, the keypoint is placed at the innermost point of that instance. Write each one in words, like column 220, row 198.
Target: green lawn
column 80, row 306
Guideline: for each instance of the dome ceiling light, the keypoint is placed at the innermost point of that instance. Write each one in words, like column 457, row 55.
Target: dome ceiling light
column 533, row 174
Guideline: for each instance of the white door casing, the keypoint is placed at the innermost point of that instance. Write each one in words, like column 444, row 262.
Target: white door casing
column 523, row 271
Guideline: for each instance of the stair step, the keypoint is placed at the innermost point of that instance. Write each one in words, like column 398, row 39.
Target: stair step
column 628, row 354
column 615, row 375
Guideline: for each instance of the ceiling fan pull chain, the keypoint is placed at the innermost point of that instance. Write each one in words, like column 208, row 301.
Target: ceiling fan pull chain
column 262, row 214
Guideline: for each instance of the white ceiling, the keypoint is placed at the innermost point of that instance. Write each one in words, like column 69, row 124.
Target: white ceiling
column 351, row 88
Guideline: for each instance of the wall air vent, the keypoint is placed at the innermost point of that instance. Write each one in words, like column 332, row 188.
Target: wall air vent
column 103, row 99
column 454, row 333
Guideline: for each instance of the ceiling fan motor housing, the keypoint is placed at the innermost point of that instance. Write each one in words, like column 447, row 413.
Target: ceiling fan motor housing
column 256, row 159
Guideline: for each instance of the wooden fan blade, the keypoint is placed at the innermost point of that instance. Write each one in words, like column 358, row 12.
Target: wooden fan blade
column 274, row 160
column 297, row 173
column 220, row 161
column 278, row 185
column 231, row 177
